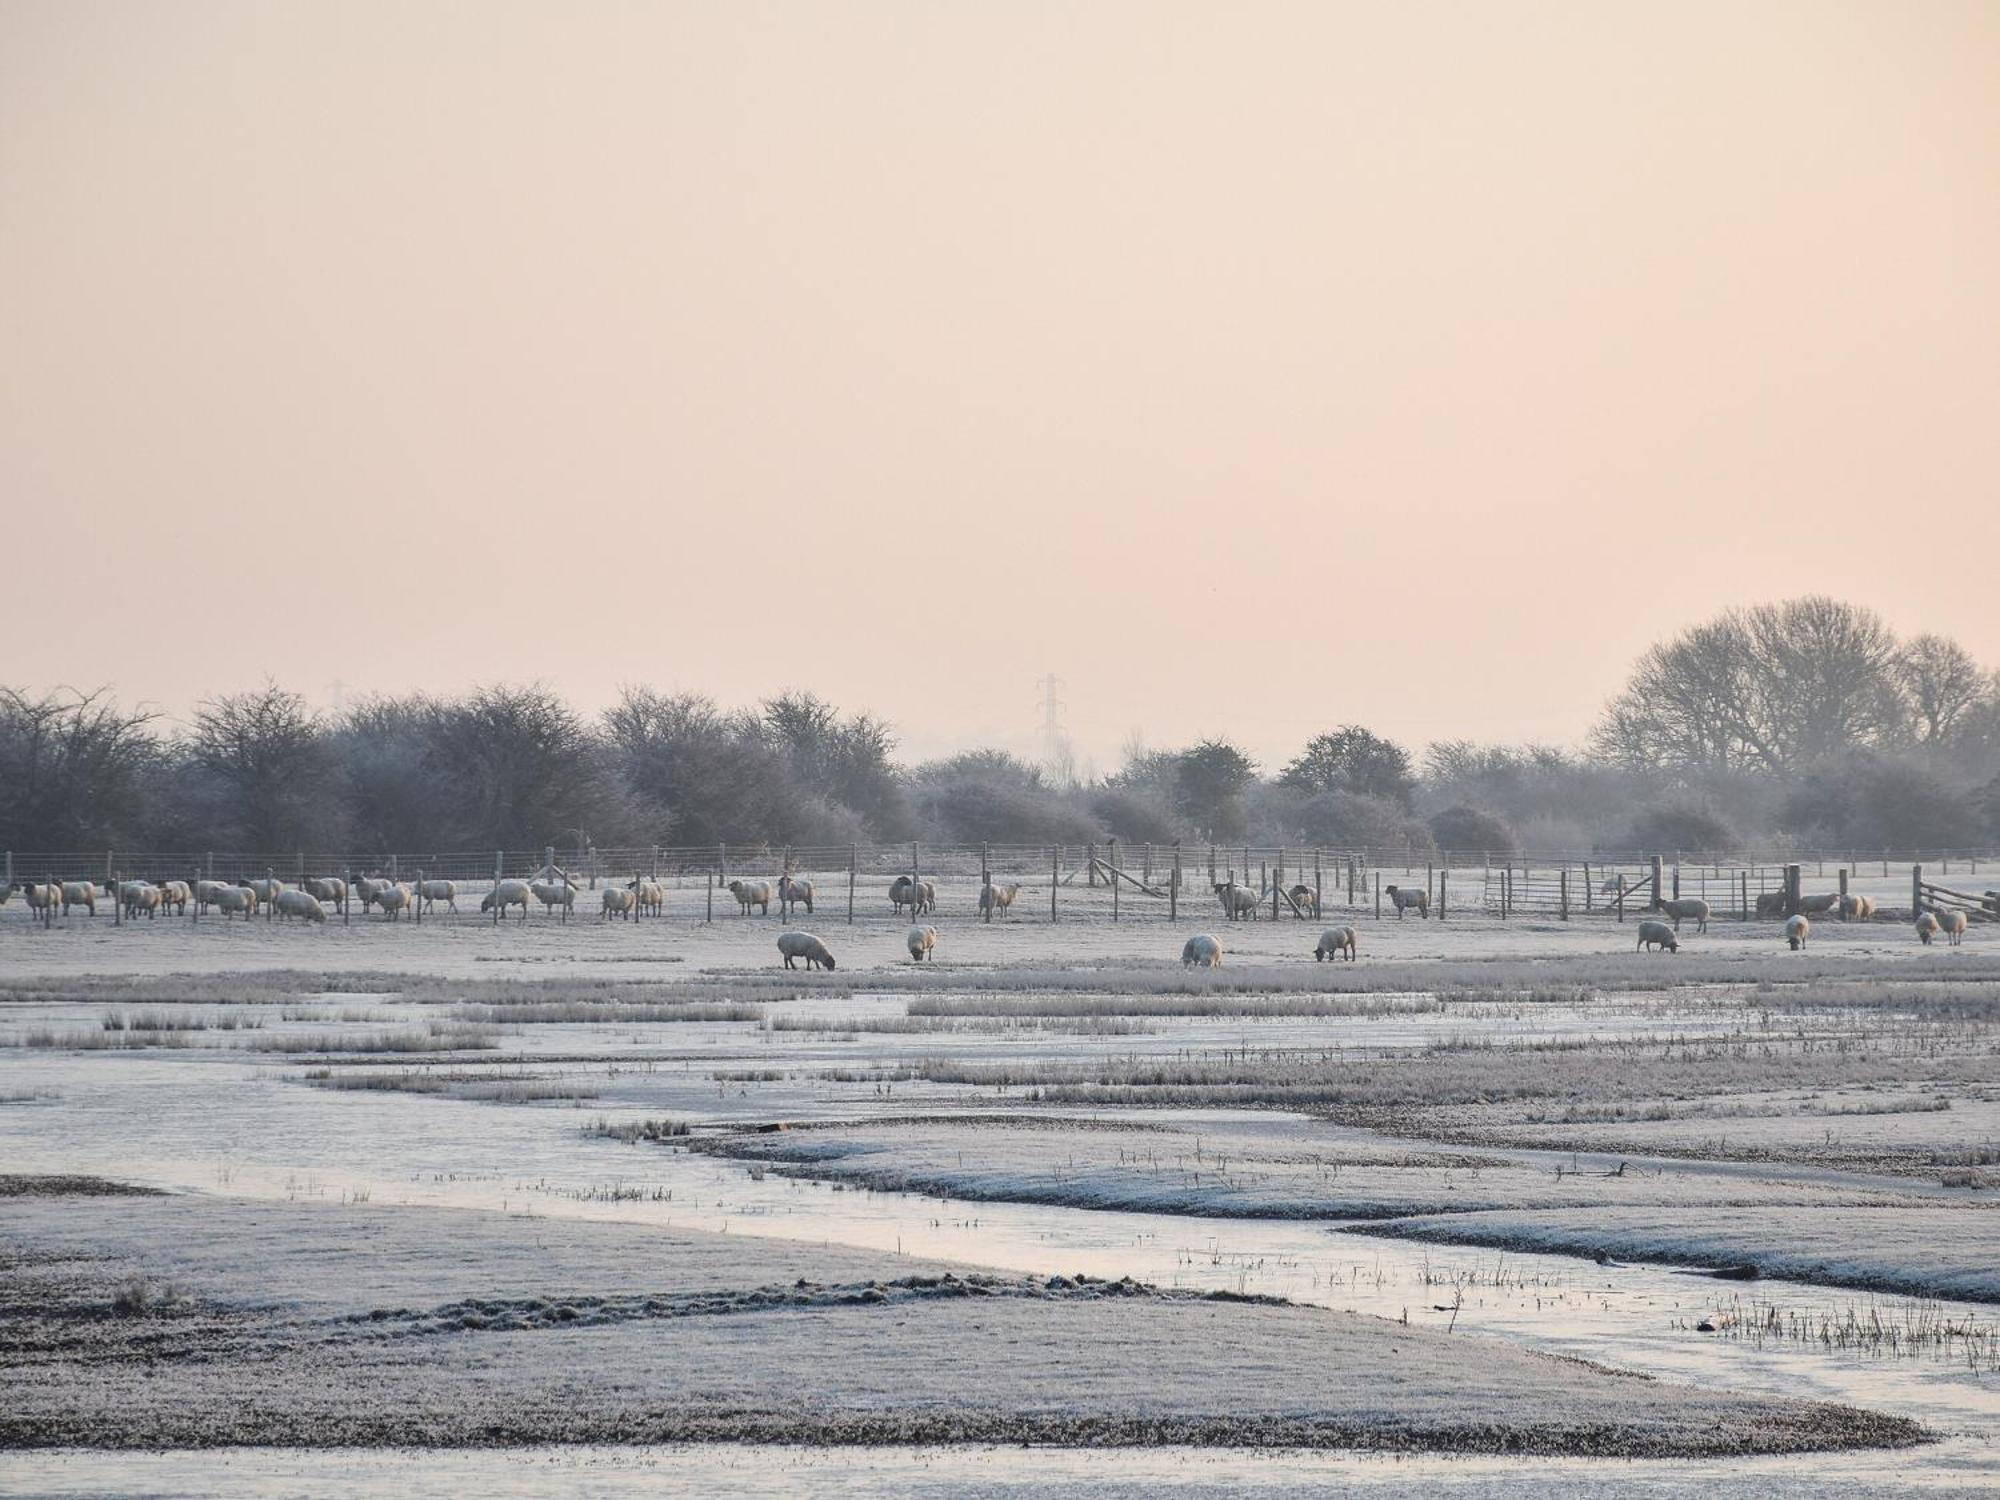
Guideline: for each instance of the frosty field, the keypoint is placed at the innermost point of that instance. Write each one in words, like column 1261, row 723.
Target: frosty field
column 454, row 1207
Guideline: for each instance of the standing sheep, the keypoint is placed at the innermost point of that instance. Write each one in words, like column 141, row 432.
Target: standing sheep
column 619, row 901
column 919, row 895
column 1686, row 906
column 505, row 893
column 921, row 940
column 1819, row 906
column 140, row 896
column 330, row 890
column 997, row 898
column 791, row 891
column 553, row 894
column 368, row 887
column 1797, row 930
column 1857, row 909
column 749, row 893
column 1239, row 902
column 1657, row 935
column 1335, row 942
column 430, row 892
column 1305, row 902
column 79, row 893
column 1771, row 904
column 233, row 898
column 394, row 900
column 265, row 890
column 298, row 904
column 175, row 894
column 1404, row 900
column 795, row 945
column 650, row 895
column 1201, row 951
column 1927, row 928
column 1953, row 923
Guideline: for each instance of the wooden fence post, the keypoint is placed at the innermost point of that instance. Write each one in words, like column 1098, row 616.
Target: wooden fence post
column 1174, row 890
column 1916, row 891
column 1112, row 874
column 708, row 915
column 1319, row 899
column 986, row 881
column 1564, row 893
column 1090, row 867
column 1055, row 878
column 1653, row 864
column 1378, row 895
column 1792, row 873
column 853, row 863
column 117, row 900
column 1444, row 885
column 1843, row 893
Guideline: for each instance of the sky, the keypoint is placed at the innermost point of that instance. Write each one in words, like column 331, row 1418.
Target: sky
column 1254, row 367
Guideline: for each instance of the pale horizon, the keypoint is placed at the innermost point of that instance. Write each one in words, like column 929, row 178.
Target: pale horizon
column 1254, row 371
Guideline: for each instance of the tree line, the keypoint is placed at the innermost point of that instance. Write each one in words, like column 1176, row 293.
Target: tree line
column 1807, row 721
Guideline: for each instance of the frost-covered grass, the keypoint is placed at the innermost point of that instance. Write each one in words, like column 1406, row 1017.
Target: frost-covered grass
column 484, row 1087
column 1255, row 1006
column 438, row 1036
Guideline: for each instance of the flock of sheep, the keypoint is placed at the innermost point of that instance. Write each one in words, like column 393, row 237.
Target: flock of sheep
column 312, row 899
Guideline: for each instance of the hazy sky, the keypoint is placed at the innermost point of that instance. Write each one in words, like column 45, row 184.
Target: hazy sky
column 1256, row 367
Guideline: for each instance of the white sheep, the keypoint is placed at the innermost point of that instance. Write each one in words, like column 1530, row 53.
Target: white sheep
column 1771, row 904
column 1954, row 924
column 1857, row 908
column 141, row 896
column 298, row 904
column 619, row 901
column 997, row 898
column 1335, row 942
column 553, row 894
column 1927, row 927
column 919, row 895
column 505, row 893
column 79, row 893
column 796, row 945
column 1797, row 930
column 208, row 893
column 1404, row 900
column 328, row 889
column 650, row 896
column 1305, row 902
column 176, row 894
column 921, row 941
column 42, row 897
column 430, row 892
column 1686, row 906
column 1239, row 902
column 1203, row 951
column 1657, row 935
column 791, row 891
column 749, row 893
column 394, row 899
column 230, row 898
column 1819, row 906
column 265, row 890
column 367, row 888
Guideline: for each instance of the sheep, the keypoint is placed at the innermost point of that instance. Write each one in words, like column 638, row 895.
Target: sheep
column 554, row 893
column 367, row 888
column 791, row 891
column 229, row 898
column 1797, row 930
column 919, row 895
column 505, row 893
column 1202, row 950
column 1857, row 908
column 1771, row 904
column 1686, row 906
column 1239, row 902
column 298, row 904
column 1927, row 928
column 649, row 895
column 1335, row 942
column 998, row 898
column 42, row 897
column 266, row 890
column 1403, row 900
column 1819, row 906
column 430, row 892
column 1657, row 935
column 619, row 901
column 175, row 893
column 921, row 940
column 1953, row 923
column 1611, row 885
column 79, row 893
column 208, row 893
column 330, row 889
column 795, row 945
column 394, row 899
column 1305, row 902
column 140, row 896
column 749, row 893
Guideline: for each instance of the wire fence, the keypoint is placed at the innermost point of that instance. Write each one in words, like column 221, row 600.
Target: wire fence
column 1112, row 881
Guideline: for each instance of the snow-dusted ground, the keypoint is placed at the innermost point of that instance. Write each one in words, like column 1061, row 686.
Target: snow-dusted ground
column 232, row 1114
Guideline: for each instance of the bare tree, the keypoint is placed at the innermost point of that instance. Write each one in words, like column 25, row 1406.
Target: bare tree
column 75, row 770
column 263, row 761
column 1942, row 684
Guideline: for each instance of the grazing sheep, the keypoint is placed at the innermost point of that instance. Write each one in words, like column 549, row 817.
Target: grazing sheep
column 1857, row 908
column 1202, row 950
column 1335, row 942
column 79, row 893
column 230, row 898
column 1657, row 935
column 1403, row 900
column 140, row 896
column 619, row 901
column 298, row 904
column 430, row 892
column 1239, row 902
column 997, row 898
column 921, row 940
column 175, row 893
column 394, row 900
column 1305, row 902
column 1927, row 928
column 1953, row 923
column 919, row 895
column 791, row 891
column 1797, row 930
column 505, row 893
column 794, row 945
column 1686, row 906
column 1771, row 904
column 749, row 893
column 327, row 888
column 553, row 893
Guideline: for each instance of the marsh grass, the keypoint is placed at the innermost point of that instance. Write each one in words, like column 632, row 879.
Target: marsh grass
column 438, row 1036
column 480, row 1087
